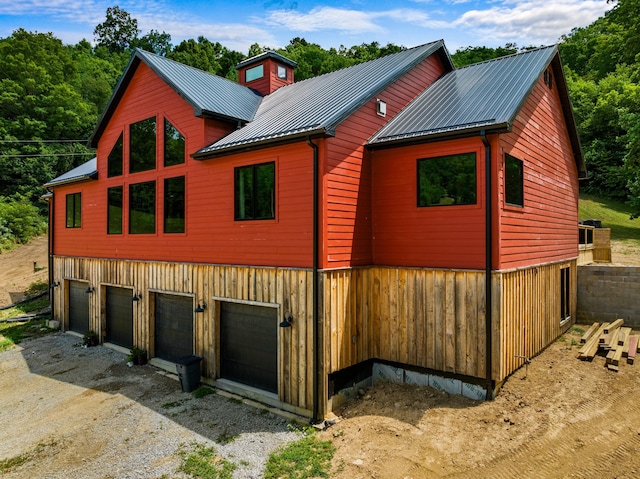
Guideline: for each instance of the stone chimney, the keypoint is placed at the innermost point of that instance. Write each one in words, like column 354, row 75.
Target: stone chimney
column 265, row 73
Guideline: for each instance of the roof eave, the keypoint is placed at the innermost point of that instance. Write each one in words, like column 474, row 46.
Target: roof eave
column 69, row 181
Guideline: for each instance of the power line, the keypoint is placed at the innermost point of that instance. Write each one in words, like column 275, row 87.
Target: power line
column 43, row 141
column 49, row 154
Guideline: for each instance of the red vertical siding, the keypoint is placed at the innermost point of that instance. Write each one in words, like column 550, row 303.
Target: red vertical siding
column 545, row 229
column 270, row 81
column 212, row 235
column 347, row 174
column 435, row 236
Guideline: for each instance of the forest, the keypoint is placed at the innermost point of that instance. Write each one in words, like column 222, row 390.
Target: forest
column 52, row 94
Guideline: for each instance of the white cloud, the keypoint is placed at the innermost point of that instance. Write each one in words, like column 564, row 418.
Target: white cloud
column 532, row 21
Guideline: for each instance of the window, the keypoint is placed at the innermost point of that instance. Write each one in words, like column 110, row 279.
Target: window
column 282, row 72
column 174, row 205
column 114, row 211
column 565, row 293
column 255, row 192
column 513, row 181
column 114, row 167
column 142, row 208
column 254, row 73
column 74, row 210
column 142, row 145
column 173, row 145
column 447, row 180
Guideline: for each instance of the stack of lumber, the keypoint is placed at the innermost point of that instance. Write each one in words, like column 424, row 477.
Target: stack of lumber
column 611, row 340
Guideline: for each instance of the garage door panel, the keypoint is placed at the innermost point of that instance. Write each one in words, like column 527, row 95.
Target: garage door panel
column 78, row 307
column 174, row 326
column 119, row 316
column 249, row 345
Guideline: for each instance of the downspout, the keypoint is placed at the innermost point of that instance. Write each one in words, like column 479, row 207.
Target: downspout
column 316, row 313
column 51, row 250
column 488, row 263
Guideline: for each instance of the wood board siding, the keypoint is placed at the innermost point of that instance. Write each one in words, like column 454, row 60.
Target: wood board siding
column 545, row 228
column 427, row 318
column 346, row 172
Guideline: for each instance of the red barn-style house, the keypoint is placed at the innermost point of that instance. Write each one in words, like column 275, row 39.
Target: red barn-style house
column 398, row 215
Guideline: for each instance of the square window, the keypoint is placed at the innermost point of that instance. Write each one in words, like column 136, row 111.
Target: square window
column 142, row 145
column 173, row 145
column 74, row 210
column 254, row 73
column 447, row 180
column 174, row 206
column 282, row 72
column 255, row 192
column 514, row 181
column 114, row 211
column 114, row 167
column 142, row 208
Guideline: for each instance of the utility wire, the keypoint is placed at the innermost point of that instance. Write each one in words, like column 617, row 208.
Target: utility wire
column 49, row 154
column 43, row 141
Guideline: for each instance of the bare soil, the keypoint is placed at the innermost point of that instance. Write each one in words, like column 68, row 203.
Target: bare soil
column 80, row 414
column 17, row 270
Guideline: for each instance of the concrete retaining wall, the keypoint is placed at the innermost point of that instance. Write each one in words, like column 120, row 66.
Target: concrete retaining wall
column 606, row 293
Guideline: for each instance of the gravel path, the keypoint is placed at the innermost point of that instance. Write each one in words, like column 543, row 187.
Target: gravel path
column 73, row 412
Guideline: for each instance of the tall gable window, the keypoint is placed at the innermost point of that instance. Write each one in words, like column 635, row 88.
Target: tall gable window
column 174, row 205
column 74, row 210
column 254, row 73
column 142, row 208
column 447, row 180
column 114, row 167
column 514, row 181
column 255, row 192
column 114, row 211
column 142, row 145
column 173, row 145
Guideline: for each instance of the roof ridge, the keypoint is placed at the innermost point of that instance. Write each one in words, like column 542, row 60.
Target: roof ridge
column 505, row 57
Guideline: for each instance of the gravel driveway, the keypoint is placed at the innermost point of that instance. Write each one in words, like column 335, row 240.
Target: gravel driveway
column 73, row 412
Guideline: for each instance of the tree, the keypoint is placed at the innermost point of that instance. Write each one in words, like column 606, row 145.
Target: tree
column 154, row 42
column 118, row 32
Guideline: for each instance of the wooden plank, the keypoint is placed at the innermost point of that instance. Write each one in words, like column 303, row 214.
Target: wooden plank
column 624, row 335
column 589, row 350
column 633, row 345
column 592, row 329
column 615, row 325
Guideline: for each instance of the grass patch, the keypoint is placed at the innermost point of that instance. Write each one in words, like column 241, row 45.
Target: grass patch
column 13, row 333
column 12, row 463
column 27, row 307
column 613, row 214
column 203, row 463
column 306, row 458
column 202, row 391
column 225, row 437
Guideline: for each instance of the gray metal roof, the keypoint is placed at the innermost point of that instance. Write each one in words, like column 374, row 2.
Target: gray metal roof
column 267, row 54
column 84, row 172
column 209, row 95
column 485, row 95
column 318, row 105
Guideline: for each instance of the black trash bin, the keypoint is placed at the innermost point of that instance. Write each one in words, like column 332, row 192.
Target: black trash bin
column 188, row 368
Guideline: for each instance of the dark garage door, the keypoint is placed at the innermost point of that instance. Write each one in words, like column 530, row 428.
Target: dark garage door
column 119, row 317
column 78, row 307
column 174, row 326
column 249, row 345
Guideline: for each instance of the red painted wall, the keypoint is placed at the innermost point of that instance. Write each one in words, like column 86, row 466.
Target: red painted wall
column 270, row 81
column 347, row 170
column 212, row 235
column 435, row 236
column 545, row 229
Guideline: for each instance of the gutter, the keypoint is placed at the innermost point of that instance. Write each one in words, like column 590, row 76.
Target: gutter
column 488, row 263
column 316, row 314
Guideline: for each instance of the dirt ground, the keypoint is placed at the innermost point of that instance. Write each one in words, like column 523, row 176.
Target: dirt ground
column 557, row 418
column 17, row 271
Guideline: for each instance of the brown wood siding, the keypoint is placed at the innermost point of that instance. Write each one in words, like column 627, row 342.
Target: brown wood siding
column 435, row 236
column 347, row 172
column 545, row 229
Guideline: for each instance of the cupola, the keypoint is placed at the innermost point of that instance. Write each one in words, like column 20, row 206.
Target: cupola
column 267, row 72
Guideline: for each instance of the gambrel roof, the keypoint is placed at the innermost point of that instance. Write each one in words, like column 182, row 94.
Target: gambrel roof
column 485, row 96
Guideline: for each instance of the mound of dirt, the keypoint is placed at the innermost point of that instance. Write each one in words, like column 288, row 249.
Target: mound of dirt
column 20, row 268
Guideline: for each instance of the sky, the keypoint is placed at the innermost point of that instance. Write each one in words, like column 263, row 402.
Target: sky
column 237, row 24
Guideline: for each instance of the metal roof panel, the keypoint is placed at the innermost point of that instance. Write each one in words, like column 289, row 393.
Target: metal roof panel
column 84, row 172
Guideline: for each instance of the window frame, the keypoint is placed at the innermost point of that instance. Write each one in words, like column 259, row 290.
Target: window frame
column 142, row 166
column 249, row 73
column 109, row 217
column 420, row 161
column 507, row 189
column 281, row 72
column 73, row 211
column 112, row 160
column 136, row 227
column 255, row 192
column 167, row 140
column 168, row 207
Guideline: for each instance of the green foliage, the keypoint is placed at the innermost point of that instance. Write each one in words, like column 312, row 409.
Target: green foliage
column 614, row 214
column 203, row 463
column 13, row 333
column 20, row 221
column 306, row 458
column 118, row 32
column 469, row 55
column 202, row 391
